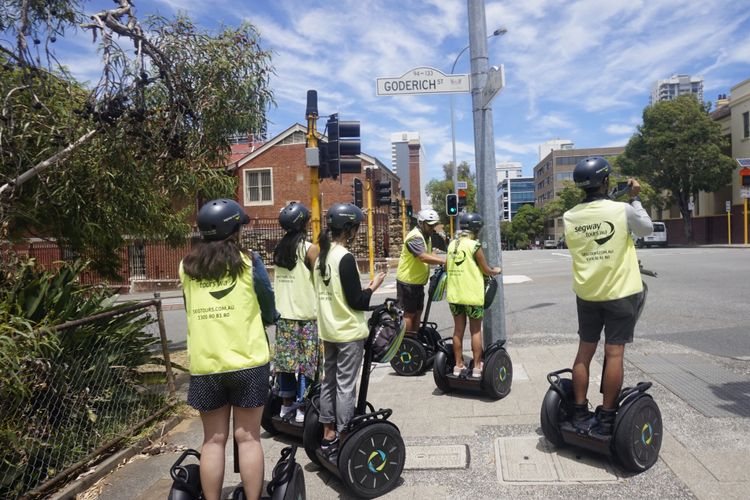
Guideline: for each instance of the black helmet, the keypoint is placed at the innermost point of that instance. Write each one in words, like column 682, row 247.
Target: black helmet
column 591, row 172
column 294, row 216
column 219, row 219
column 471, row 221
column 342, row 214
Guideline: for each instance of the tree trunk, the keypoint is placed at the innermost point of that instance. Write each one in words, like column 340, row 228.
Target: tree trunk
column 687, row 218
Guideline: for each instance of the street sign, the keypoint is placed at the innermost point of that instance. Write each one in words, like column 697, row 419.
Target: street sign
column 493, row 86
column 423, row 80
column 462, row 185
column 728, row 206
column 745, row 192
column 744, row 162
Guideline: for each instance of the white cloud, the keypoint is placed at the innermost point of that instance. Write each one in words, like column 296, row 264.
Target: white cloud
column 618, row 129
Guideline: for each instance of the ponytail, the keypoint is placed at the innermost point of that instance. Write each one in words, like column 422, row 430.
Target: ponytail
column 324, row 242
column 285, row 253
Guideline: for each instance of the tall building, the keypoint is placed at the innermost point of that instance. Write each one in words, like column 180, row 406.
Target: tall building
column 407, row 158
column 554, row 145
column 677, row 85
column 553, row 170
column 513, row 193
column 509, row 170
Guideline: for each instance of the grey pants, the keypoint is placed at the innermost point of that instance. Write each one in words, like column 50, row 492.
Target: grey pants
column 338, row 392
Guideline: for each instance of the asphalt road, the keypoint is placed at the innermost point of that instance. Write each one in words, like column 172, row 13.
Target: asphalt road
column 700, row 299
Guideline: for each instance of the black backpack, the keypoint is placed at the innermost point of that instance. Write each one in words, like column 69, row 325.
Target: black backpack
column 387, row 329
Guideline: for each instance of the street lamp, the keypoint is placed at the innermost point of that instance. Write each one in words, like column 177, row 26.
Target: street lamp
column 498, row 32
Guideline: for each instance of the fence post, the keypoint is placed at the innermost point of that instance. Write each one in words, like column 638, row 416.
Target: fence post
column 164, row 348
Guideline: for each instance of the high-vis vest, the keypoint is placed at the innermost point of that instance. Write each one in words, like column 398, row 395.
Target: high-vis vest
column 225, row 330
column 294, row 290
column 337, row 322
column 411, row 270
column 465, row 280
column 605, row 266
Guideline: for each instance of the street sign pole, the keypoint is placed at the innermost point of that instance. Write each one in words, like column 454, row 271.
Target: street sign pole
column 484, row 146
column 729, row 221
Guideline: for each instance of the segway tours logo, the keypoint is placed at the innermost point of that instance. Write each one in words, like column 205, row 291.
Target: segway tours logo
column 376, row 461
column 459, row 258
column 647, row 434
column 601, row 232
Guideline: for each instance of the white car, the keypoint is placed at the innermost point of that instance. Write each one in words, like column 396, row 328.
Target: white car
column 657, row 238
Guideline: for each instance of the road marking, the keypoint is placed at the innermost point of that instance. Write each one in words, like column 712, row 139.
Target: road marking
column 562, row 254
column 513, row 279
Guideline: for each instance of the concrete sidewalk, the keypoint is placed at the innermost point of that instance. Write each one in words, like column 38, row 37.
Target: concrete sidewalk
column 467, row 446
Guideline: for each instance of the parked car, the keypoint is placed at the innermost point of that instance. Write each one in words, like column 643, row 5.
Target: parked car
column 550, row 243
column 657, row 238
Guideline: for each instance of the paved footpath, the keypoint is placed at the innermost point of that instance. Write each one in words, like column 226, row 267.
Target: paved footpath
column 463, row 446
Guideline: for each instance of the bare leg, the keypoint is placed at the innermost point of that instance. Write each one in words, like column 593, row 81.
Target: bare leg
column 475, row 327
column 215, row 432
column 459, row 325
column 613, row 374
column 581, row 365
column 329, row 432
column 247, row 435
column 412, row 322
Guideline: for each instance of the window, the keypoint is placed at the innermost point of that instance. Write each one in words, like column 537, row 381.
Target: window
column 746, row 124
column 258, row 187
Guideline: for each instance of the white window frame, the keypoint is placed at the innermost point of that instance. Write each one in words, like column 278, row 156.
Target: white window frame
column 246, row 193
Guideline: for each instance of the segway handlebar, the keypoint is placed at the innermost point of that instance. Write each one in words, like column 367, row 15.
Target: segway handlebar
column 628, row 391
column 178, row 472
column 554, row 377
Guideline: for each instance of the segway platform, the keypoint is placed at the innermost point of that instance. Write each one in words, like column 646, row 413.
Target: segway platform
column 497, row 374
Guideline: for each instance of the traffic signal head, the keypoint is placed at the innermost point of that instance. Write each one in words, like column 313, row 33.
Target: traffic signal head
column 343, row 146
column 746, row 180
column 451, row 204
column 358, row 193
column 382, row 193
column 409, row 210
column 395, row 208
column 461, row 198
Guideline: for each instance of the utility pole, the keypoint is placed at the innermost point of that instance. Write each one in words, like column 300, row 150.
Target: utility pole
column 484, row 148
column 403, row 216
column 370, row 238
column 312, row 144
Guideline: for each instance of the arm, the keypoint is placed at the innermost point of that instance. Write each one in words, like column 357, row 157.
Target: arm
column 264, row 291
column 486, row 269
column 357, row 298
column 417, row 249
column 431, row 258
column 311, row 256
column 639, row 223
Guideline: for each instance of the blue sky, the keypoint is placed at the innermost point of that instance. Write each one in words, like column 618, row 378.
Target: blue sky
column 578, row 70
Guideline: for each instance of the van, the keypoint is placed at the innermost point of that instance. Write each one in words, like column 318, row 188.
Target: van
column 657, row 238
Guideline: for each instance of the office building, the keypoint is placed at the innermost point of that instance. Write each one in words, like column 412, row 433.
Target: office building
column 677, row 85
column 554, row 145
column 513, row 193
column 408, row 158
column 509, row 170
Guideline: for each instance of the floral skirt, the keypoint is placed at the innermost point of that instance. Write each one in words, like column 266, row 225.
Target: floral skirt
column 297, row 348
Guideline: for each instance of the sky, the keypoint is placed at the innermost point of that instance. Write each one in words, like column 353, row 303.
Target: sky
column 578, row 70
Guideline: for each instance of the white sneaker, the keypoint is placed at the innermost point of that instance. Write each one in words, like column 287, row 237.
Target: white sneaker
column 300, row 416
column 285, row 410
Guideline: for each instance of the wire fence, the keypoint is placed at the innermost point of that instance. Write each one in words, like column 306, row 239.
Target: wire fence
column 105, row 378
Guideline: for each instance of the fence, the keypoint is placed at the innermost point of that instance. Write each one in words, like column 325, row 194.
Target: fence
column 102, row 383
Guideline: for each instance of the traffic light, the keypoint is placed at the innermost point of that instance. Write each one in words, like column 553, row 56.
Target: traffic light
column 409, row 209
column 451, row 204
column 745, row 180
column 343, row 144
column 395, row 208
column 382, row 193
column 461, row 198
column 358, row 193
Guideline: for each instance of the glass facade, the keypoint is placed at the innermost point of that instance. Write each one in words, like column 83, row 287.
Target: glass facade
column 520, row 192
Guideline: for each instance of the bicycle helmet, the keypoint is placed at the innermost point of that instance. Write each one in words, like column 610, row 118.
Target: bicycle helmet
column 471, row 221
column 341, row 215
column 294, row 216
column 429, row 216
column 219, row 219
column 591, row 172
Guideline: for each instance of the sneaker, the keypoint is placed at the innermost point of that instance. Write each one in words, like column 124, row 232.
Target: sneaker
column 457, row 370
column 605, row 422
column 300, row 416
column 285, row 410
column 477, row 371
column 583, row 419
column 330, row 449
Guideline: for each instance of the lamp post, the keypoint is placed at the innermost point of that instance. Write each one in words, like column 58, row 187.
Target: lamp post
column 498, row 32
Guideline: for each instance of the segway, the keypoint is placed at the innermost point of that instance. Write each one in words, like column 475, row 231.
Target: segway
column 497, row 374
column 416, row 354
column 371, row 452
column 273, row 423
column 637, row 433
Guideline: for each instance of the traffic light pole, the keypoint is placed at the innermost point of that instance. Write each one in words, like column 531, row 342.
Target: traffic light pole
column 403, row 217
column 450, row 236
column 370, row 239
column 312, row 142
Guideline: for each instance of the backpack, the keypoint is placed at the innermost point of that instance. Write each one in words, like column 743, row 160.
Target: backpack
column 438, row 281
column 490, row 289
column 387, row 329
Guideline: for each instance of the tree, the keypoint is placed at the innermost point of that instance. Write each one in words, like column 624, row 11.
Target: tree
column 527, row 224
column 679, row 149
column 90, row 166
column 438, row 188
column 564, row 200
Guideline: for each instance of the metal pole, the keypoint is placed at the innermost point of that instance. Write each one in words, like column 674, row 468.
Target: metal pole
column 453, row 142
column 729, row 226
column 164, row 346
column 403, row 217
column 745, row 225
column 484, row 146
column 370, row 238
column 451, row 235
column 312, row 142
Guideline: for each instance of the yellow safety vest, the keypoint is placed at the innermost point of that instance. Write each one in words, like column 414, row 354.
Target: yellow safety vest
column 337, row 322
column 411, row 270
column 294, row 290
column 465, row 279
column 605, row 266
column 225, row 329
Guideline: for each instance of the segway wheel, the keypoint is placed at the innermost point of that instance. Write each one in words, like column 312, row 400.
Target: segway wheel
column 410, row 359
column 497, row 375
column 271, row 408
column 442, row 366
column 638, row 434
column 553, row 413
column 372, row 459
column 312, row 432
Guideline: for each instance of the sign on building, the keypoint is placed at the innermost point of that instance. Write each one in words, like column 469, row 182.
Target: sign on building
column 423, row 80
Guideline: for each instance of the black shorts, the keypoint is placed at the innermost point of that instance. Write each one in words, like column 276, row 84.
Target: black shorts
column 410, row 297
column 246, row 388
column 617, row 317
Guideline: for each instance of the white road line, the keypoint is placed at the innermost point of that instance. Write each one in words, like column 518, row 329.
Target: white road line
column 562, row 254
